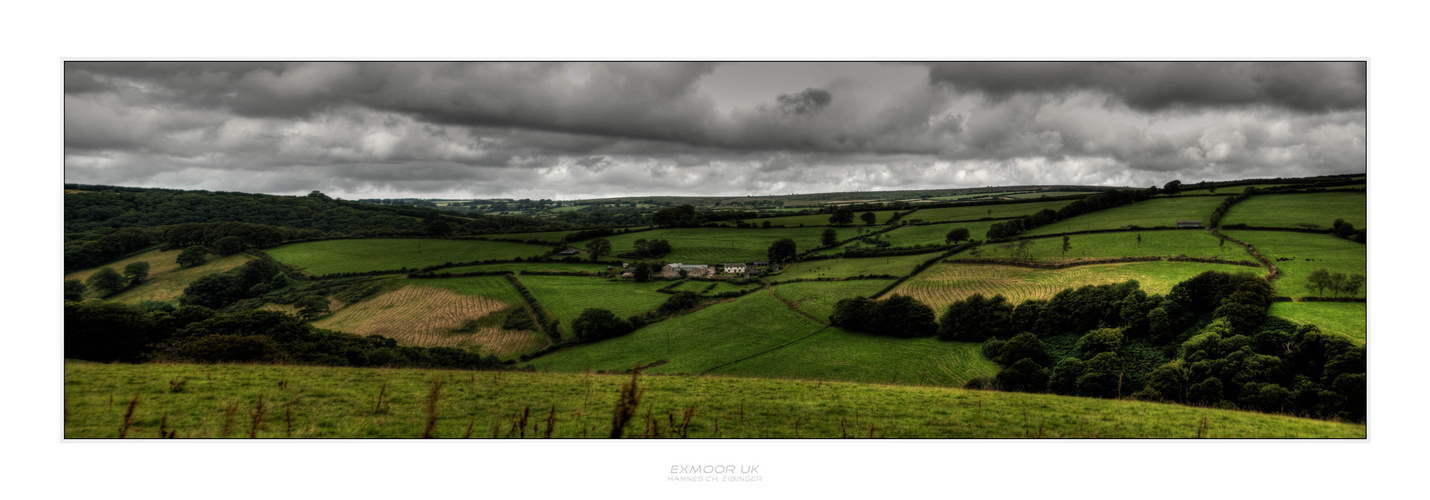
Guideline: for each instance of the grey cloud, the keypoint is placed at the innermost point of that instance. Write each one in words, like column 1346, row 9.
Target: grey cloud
column 1155, row 86
column 806, row 101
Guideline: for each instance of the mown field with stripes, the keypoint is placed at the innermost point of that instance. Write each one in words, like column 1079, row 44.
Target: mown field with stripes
column 944, row 283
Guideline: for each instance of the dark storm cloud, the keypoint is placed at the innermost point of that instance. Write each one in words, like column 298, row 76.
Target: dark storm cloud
column 807, row 101
column 594, row 129
column 1155, row 86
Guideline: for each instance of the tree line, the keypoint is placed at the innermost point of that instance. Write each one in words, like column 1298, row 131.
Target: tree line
column 1208, row 341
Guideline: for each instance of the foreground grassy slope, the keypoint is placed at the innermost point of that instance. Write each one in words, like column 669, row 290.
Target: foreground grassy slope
column 695, row 342
column 1308, row 252
column 320, row 402
column 347, row 256
column 167, row 280
column 1156, row 212
column 944, row 284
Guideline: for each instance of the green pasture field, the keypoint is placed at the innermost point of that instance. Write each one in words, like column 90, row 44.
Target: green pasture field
column 523, row 267
column 1311, row 210
column 933, row 234
column 817, row 298
column 816, row 219
column 568, row 296
column 1335, row 254
column 978, row 212
column 326, row 402
column 551, row 236
column 1239, row 189
column 720, row 287
column 844, row 268
column 1156, row 212
column 1189, row 242
column 714, row 246
column 695, row 342
column 492, row 287
column 1345, row 318
column 943, row 284
column 348, row 256
column 166, row 281
column 1051, row 194
column 835, row 354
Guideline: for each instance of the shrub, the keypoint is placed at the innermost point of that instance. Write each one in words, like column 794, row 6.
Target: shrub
column 1023, row 376
column 597, row 324
column 1065, row 374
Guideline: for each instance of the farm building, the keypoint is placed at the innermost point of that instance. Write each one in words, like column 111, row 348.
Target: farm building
column 734, row 268
column 673, row 270
column 569, row 251
column 760, row 265
column 1189, row 224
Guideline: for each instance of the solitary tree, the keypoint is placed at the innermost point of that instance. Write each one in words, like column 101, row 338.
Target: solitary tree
column 1067, row 245
column 194, row 255
column 106, row 281
column 1351, row 285
column 1139, row 239
column 956, row 235
column 598, row 247
column 829, row 237
column 137, row 272
column 869, row 218
column 844, row 215
column 1173, row 187
column 642, row 272
column 782, row 250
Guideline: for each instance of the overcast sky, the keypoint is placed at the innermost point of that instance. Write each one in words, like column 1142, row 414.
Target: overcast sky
column 586, row 130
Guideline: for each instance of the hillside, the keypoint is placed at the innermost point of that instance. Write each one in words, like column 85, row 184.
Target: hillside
column 213, row 401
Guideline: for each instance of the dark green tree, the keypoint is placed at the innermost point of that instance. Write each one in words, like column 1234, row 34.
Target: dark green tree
column 597, row 324
column 137, row 272
column 106, row 281
column 214, row 291
column 228, row 245
column 1100, row 341
column 1067, row 245
column 193, row 256
column 598, row 247
column 1174, row 187
column 829, row 237
column 842, row 216
column 1023, row 376
column 642, row 271
column 869, row 218
column 902, row 316
column 311, row 306
column 107, row 331
column 782, row 250
column 1319, row 280
column 1065, row 374
column 853, row 314
column 956, row 235
column 975, row 319
column 1024, row 346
